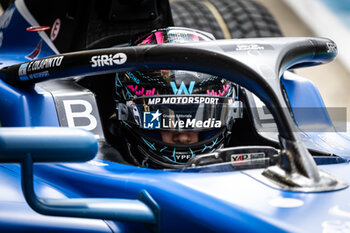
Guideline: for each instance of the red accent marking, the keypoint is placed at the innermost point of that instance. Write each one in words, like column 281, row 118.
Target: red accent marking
column 36, row 52
column 38, row 28
column 55, row 29
column 159, row 37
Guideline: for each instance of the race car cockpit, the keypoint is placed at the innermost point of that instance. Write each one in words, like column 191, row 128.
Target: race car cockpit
column 163, row 118
column 180, row 120
column 169, row 118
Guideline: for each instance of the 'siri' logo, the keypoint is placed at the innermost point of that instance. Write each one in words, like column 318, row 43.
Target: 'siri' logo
column 108, row 60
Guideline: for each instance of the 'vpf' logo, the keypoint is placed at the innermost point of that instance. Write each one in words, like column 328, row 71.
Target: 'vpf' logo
column 151, row 120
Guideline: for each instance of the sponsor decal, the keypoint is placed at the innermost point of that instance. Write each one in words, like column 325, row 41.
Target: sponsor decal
column 130, row 75
column 245, row 47
column 1, row 38
column 140, row 92
column 55, row 29
column 6, row 18
column 183, row 158
column 183, row 100
column 85, row 114
column 42, row 74
column 45, row 63
column 177, row 37
column 222, row 92
column 22, row 72
column 171, row 123
column 36, row 52
column 151, row 120
column 331, row 47
column 179, row 157
column 239, row 157
column 108, row 60
column 78, row 111
column 245, row 158
column 182, row 88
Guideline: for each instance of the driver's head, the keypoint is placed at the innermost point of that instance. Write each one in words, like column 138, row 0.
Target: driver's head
column 169, row 116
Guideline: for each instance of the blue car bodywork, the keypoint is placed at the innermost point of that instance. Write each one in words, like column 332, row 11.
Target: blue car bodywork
column 202, row 199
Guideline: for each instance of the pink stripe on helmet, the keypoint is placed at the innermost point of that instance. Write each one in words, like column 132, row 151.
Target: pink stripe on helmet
column 195, row 37
column 148, row 40
column 159, row 37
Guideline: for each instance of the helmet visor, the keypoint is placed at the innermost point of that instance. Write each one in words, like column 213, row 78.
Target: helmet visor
column 180, row 113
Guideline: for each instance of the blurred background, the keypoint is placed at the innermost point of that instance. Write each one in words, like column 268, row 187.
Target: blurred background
column 320, row 18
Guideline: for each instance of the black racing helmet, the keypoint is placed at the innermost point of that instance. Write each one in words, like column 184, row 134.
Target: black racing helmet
column 153, row 104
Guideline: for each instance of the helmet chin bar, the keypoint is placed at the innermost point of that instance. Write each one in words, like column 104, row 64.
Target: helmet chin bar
column 170, row 158
column 259, row 74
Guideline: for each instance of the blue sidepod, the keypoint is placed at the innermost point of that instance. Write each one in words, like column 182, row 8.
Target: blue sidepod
column 204, row 202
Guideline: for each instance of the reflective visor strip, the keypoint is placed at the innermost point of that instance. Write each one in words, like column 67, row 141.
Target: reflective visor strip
column 171, row 112
column 183, row 99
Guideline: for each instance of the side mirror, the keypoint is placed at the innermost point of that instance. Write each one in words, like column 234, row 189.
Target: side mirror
column 28, row 145
column 46, row 144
